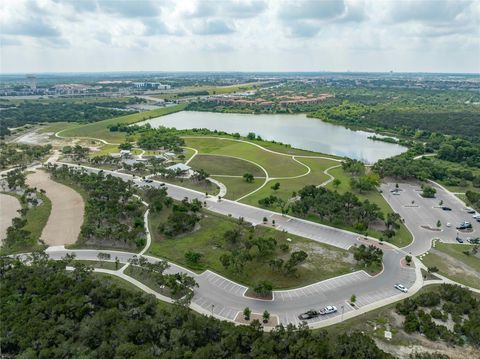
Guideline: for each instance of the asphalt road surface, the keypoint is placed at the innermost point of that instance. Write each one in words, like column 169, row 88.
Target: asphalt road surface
column 226, row 299
column 422, row 214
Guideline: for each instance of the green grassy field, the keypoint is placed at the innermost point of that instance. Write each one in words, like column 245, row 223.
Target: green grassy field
column 211, row 188
column 237, row 187
column 454, row 264
column 288, row 186
column 223, row 165
column 100, row 129
column 323, row 262
column 57, row 126
column 276, row 165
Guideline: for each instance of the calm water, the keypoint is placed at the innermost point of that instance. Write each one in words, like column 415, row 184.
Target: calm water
column 296, row 130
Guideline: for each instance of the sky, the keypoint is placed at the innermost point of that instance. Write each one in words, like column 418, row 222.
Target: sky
column 249, row 35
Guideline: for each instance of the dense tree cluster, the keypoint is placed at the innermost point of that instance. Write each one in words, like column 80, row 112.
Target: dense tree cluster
column 335, row 208
column 449, row 300
column 30, row 112
column 13, row 154
column 113, row 216
column 48, row 312
column 474, row 199
column 160, row 138
column 368, row 255
column 183, row 218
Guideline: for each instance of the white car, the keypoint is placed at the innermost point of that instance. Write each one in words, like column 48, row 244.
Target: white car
column 449, row 224
column 328, row 310
column 476, row 216
column 401, row 288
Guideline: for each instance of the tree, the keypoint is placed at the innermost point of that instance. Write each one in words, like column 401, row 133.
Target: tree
column 408, row 259
column 246, row 313
column 428, row 191
column 125, row 146
column 266, row 316
column 295, row 259
column 353, row 299
column 103, row 257
column 439, row 224
column 248, row 177
column 276, row 186
column 251, row 136
column 336, row 183
column 192, row 257
column 263, row 288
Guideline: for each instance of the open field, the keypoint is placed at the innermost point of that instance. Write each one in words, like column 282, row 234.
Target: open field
column 203, row 187
column 323, row 262
column 66, row 216
column 454, row 264
column 276, row 165
column 223, row 165
column 288, row 186
column 100, row 129
column 8, row 211
column 237, row 187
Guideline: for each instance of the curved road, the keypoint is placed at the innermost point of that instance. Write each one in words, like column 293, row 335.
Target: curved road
column 225, row 299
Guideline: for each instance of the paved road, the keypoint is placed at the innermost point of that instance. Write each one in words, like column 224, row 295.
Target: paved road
column 421, row 215
column 226, row 298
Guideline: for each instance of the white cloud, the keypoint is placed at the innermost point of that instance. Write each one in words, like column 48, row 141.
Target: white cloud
column 267, row 35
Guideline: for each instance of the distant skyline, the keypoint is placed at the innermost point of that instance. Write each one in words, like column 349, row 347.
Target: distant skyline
column 247, row 36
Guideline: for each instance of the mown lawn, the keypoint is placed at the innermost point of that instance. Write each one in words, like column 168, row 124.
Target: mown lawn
column 224, row 165
column 323, row 261
column 100, row 129
column 237, row 187
column 276, row 165
column 288, row 186
column 458, row 266
column 211, row 188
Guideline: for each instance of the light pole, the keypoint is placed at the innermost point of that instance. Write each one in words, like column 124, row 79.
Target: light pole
column 343, row 308
column 213, row 306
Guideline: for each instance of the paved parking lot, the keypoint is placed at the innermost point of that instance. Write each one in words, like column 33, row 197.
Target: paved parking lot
column 421, row 215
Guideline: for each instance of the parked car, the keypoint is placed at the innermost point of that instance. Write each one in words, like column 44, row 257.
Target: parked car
column 476, row 216
column 329, row 309
column 465, row 225
column 446, row 208
column 312, row 313
column 162, row 184
column 449, row 224
column 148, row 180
column 401, row 288
column 470, row 210
column 458, row 239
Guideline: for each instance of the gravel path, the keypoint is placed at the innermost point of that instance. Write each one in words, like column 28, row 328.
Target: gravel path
column 66, row 218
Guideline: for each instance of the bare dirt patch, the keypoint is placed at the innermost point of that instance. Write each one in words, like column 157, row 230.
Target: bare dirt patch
column 9, row 206
column 66, row 218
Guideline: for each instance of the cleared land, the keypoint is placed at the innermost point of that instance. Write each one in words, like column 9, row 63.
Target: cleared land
column 452, row 262
column 224, row 165
column 66, row 217
column 323, row 261
column 8, row 211
column 100, row 129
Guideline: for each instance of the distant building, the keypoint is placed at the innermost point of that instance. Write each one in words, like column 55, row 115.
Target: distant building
column 180, row 167
column 151, row 86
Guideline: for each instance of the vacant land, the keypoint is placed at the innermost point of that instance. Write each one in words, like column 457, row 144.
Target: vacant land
column 225, row 165
column 237, row 187
column 323, row 261
column 66, row 217
column 100, row 129
column 8, row 211
column 453, row 262
column 202, row 186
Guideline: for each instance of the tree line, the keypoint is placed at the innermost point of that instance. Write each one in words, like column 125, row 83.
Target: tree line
column 48, row 312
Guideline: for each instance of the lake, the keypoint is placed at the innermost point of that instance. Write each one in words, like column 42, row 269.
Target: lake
column 297, row 130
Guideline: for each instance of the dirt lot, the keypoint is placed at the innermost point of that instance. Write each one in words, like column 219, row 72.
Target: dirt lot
column 66, row 218
column 9, row 206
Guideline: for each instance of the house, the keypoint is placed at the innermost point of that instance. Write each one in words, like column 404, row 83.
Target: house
column 180, row 167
